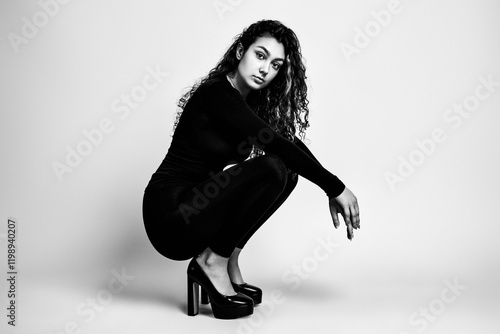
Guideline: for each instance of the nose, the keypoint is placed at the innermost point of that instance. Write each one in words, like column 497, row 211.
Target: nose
column 264, row 69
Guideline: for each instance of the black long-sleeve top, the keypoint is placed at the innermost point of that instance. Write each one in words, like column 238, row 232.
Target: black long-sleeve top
column 217, row 127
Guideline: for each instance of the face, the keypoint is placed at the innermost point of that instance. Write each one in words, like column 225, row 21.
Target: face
column 260, row 64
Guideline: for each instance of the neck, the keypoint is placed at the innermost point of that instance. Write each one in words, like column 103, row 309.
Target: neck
column 236, row 82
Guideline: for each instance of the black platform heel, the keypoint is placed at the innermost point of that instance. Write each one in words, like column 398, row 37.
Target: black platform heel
column 223, row 307
column 249, row 290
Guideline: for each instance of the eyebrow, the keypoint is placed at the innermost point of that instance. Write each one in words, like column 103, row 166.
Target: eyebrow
column 267, row 52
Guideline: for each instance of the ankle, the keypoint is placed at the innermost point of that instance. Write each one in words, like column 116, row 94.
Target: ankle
column 235, row 255
column 235, row 273
column 210, row 259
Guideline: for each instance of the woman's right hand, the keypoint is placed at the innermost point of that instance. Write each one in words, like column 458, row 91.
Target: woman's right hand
column 347, row 205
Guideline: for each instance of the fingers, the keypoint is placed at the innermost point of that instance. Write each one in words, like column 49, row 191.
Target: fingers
column 347, row 219
column 358, row 219
column 335, row 217
column 355, row 219
column 349, row 210
column 355, row 215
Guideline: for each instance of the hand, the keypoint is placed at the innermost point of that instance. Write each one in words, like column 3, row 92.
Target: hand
column 347, row 205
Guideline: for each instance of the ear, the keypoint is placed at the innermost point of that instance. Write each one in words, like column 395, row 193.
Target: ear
column 239, row 51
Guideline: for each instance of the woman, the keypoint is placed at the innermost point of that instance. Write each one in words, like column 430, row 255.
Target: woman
column 244, row 113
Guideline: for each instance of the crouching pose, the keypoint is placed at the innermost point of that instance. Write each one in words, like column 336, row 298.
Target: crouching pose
column 234, row 159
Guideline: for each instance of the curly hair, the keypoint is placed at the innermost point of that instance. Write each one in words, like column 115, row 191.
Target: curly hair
column 283, row 103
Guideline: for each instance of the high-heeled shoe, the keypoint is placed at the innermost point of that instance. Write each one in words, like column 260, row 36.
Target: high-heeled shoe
column 223, row 307
column 249, row 290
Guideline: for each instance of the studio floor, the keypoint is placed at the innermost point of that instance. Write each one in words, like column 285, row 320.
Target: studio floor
column 308, row 301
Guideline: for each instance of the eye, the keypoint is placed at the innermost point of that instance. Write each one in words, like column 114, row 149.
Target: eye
column 276, row 66
column 260, row 55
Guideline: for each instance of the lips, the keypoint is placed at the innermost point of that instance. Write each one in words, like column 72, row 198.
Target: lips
column 258, row 79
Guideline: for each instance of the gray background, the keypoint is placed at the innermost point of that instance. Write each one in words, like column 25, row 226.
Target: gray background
column 368, row 111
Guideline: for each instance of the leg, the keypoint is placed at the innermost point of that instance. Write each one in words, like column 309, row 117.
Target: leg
column 215, row 266
column 233, row 266
column 291, row 183
column 227, row 206
column 215, row 259
column 215, row 214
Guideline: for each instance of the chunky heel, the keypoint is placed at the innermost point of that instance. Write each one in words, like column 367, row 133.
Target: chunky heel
column 193, row 297
column 223, row 307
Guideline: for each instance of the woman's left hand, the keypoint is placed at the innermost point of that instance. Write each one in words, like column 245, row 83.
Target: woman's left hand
column 347, row 205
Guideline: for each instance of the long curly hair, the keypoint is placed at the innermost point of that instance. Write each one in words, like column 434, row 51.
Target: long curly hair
column 283, row 103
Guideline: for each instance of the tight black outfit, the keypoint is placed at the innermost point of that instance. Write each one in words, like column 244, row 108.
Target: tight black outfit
column 192, row 202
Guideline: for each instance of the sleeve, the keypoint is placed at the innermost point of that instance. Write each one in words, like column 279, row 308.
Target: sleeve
column 304, row 148
column 229, row 109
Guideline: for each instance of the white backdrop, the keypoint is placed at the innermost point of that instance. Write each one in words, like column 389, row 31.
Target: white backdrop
column 404, row 98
